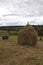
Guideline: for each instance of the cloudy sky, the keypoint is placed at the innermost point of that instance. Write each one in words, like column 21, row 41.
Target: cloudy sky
column 19, row 12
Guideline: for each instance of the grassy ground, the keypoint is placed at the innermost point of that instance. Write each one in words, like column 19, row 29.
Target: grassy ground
column 12, row 53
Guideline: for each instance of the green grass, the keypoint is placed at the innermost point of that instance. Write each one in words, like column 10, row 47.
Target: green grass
column 12, row 53
column 13, row 38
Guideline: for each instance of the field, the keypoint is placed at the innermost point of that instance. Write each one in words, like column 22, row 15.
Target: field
column 11, row 53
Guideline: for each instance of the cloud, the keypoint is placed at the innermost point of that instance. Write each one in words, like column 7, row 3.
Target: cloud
column 24, row 7
column 21, row 11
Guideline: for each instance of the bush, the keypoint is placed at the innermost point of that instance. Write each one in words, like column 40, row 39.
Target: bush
column 27, row 36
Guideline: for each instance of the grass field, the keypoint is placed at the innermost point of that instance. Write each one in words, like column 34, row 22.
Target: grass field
column 12, row 53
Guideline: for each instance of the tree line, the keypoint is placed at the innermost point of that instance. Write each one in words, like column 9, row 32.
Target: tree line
column 15, row 29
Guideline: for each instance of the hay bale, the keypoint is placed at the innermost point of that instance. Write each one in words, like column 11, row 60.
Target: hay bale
column 27, row 36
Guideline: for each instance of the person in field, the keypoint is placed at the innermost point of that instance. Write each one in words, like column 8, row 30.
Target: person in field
column 4, row 36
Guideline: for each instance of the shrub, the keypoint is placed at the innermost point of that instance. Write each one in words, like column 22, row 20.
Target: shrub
column 27, row 36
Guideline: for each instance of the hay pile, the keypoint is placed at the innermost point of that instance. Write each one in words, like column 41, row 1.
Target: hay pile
column 27, row 36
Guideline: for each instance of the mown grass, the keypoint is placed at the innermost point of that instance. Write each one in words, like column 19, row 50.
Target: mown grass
column 12, row 53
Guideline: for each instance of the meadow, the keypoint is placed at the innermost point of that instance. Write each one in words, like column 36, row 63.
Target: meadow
column 11, row 53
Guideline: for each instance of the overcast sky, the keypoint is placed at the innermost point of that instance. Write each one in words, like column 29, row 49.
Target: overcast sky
column 19, row 12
